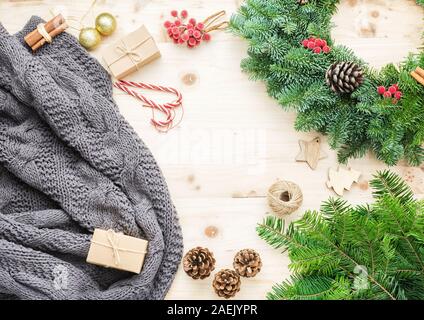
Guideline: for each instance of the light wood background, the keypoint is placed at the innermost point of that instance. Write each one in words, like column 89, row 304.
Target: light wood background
column 235, row 141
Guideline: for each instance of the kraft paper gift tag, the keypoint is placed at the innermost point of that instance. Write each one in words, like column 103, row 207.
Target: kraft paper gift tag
column 116, row 250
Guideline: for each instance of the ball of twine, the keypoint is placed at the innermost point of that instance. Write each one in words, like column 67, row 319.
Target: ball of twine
column 284, row 197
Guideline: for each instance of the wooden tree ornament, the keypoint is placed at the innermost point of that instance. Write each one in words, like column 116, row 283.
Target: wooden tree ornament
column 310, row 152
column 341, row 179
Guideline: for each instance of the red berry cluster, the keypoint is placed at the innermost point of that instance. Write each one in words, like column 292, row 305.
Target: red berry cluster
column 317, row 45
column 392, row 92
column 191, row 33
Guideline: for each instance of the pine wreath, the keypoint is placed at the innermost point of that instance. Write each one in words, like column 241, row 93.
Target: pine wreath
column 356, row 119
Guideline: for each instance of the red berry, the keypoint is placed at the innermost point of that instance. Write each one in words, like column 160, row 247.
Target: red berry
column 177, row 23
column 326, row 49
column 175, row 30
column 398, row 95
column 207, row 37
column 305, row 43
column 317, row 50
column 392, row 89
column 190, row 32
column 311, row 44
column 190, row 26
column 324, row 43
column 200, row 26
column 175, row 41
column 192, row 42
column 396, row 86
column 319, row 43
column 176, row 36
column 180, row 41
column 167, row 24
column 197, row 34
column 192, row 21
column 185, row 37
column 184, row 14
column 312, row 39
column 381, row 90
column 174, row 13
column 387, row 94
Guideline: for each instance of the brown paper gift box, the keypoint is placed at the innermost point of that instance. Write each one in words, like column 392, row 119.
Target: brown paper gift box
column 116, row 250
column 131, row 52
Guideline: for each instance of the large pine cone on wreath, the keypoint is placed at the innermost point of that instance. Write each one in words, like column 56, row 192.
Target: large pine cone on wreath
column 226, row 283
column 247, row 263
column 344, row 77
column 199, row 263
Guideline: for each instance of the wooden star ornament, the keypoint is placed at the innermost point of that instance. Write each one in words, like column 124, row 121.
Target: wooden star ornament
column 310, row 152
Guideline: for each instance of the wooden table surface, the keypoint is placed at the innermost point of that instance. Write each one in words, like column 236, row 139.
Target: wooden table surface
column 234, row 141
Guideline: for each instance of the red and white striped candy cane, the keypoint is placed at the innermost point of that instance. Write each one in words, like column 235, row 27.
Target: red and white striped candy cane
column 168, row 109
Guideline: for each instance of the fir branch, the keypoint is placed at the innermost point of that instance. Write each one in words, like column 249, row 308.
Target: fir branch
column 387, row 238
column 311, row 288
column 388, row 183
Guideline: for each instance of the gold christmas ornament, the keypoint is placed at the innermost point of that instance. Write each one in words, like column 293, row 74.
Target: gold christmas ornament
column 105, row 23
column 89, row 38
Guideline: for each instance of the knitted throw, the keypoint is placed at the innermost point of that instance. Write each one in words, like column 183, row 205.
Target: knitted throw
column 70, row 163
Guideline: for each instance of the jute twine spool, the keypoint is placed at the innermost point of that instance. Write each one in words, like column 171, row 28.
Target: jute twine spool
column 284, row 197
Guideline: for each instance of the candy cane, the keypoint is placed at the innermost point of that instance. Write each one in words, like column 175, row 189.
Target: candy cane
column 168, row 109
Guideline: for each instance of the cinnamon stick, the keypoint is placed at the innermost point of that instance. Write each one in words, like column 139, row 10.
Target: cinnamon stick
column 34, row 36
column 417, row 77
column 52, row 34
column 420, row 71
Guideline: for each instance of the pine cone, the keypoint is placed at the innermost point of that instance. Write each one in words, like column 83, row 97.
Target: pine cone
column 344, row 77
column 247, row 263
column 199, row 263
column 302, row 2
column 226, row 283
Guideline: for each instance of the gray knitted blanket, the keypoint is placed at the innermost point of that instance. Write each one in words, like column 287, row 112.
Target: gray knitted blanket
column 70, row 163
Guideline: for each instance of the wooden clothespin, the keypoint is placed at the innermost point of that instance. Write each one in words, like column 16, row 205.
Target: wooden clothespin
column 45, row 32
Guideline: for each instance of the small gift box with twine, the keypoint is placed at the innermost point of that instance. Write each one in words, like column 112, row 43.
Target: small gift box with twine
column 131, row 52
column 116, row 250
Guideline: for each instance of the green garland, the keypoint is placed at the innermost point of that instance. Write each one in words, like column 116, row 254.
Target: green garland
column 295, row 77
column 364, row 252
